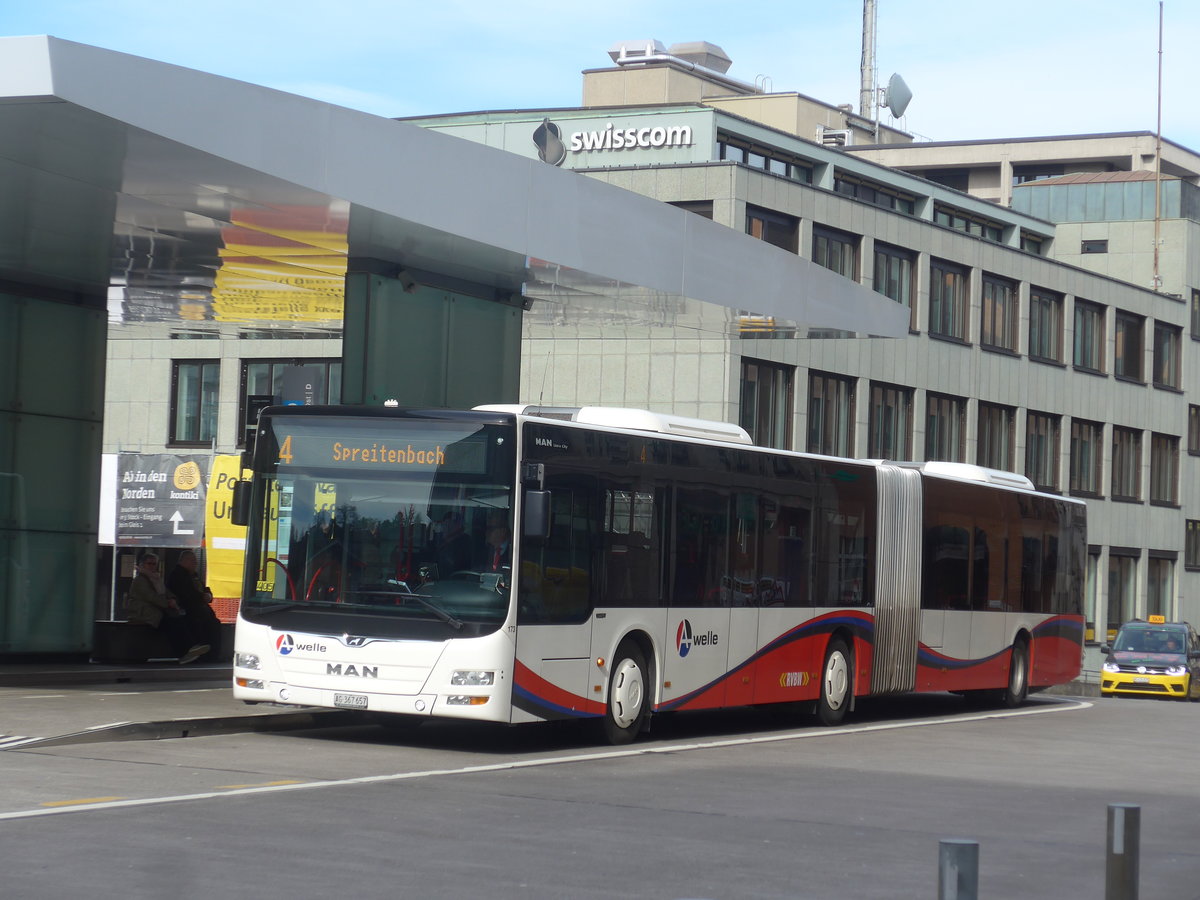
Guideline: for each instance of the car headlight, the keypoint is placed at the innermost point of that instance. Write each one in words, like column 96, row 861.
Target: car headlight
column 1111, row 667
column 473, row 678
column 1176, row 670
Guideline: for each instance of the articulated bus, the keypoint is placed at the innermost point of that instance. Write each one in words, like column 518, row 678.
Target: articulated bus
column 523, row 564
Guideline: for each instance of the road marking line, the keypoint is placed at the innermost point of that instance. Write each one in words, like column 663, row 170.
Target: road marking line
column 41, row 696
column 238, row 787
column 1068, row 705
column 56, row 804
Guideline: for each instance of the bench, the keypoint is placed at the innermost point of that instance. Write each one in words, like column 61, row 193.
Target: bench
column 137, row 642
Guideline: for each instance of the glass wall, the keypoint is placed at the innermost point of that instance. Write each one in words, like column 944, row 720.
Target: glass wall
column 51, row 407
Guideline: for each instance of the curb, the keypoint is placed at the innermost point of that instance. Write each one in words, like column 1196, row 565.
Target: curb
column 205, row 727
column 116, row 675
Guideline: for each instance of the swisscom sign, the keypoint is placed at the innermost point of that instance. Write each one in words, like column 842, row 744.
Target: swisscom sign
column 553, row 147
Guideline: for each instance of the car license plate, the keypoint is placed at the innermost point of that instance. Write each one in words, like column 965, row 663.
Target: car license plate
column 1141, row 679
column 350, row 701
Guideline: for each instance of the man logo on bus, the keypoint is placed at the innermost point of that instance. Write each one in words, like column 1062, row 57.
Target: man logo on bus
column 285, row 644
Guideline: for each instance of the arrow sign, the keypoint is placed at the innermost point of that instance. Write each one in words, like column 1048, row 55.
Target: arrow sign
column 176, row 518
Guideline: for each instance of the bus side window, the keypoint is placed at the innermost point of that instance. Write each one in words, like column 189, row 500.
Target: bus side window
column 556, row 573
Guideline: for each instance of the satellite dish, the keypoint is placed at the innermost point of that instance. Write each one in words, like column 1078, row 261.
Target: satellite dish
column 897, row 96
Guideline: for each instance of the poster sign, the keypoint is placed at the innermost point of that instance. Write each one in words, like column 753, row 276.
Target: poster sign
column 225, row 542
column 160, row 500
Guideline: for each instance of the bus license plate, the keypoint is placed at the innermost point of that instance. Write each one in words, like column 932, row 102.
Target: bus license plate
column 350, row 701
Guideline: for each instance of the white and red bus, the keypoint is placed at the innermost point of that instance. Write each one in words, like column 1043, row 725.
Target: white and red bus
column 524, row 564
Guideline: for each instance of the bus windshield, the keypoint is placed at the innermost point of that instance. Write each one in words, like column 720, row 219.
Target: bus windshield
column 393, row 527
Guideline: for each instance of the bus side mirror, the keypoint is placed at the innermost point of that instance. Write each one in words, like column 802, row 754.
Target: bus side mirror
column 239, row 509
column 537, row 514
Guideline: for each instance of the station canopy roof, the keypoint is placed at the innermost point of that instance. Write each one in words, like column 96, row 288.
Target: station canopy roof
column 185, row 197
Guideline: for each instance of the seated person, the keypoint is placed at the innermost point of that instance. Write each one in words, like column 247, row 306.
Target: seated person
column 196, row 602
column 498, row 551
column 151, row 604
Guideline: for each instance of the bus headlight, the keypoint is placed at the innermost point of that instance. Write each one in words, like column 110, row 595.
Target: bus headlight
column 247, row 661
column 252, row 683
column 473, row 678
column 465, row 700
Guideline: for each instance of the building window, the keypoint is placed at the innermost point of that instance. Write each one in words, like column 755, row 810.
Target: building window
column 873, row 193
column 1093, row 247
column 1127, row 360
column 774, row 161
column 836, row 250
column 1045, row 325
column 1160, row 588
column 1167, row 341
column 1087, row 457
column 702, row 208
column 947, row 300
column 1032, row 243
column 1193, row 429
column 996, row 436
column 971, row 224
column 1042, row 440
column 1126, row 464
column 945, row 418
column 1164, row 469
column 1196, row 314
column 772, row 227
column 1089, row 336
column 1122, row 589
column 998, row 325
column 889, row 431
column 767, row 403
column 1091, row 594
column 830, row 414
column 1191, row 544
column 265, row 378
column 195, row 388
column 895, row 277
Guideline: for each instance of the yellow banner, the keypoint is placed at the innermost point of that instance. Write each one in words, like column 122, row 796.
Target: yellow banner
column 225, row 542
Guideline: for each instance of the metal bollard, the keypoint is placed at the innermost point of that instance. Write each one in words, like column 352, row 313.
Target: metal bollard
column 1124, row 851
column 958, row 869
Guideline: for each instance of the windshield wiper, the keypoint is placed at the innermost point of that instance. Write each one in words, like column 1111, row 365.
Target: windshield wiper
column 427, row 601
column 449, row 618
column 276, row 607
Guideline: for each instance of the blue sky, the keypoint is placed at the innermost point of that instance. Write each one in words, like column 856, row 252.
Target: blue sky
column 977, row 69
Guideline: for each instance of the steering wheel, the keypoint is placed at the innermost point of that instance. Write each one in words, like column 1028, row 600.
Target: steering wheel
column 337, row 588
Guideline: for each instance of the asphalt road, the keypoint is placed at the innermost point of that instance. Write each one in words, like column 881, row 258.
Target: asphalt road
column 742, row 804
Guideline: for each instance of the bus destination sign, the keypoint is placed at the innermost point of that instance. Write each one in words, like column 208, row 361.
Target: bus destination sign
column 356, row 448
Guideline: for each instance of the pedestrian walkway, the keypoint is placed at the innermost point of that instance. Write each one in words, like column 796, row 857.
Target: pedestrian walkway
column 52, row 704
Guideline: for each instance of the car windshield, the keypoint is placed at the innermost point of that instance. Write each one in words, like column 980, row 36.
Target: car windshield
column 1150, row 640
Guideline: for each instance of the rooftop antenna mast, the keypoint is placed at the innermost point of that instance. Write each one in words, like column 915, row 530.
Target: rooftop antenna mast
column 896, row 96
column 866, row 93
column 1158, row 159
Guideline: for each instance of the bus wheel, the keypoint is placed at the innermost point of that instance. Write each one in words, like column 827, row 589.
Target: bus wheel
column 835, row 683
column 628, row 691
column 1018, row 676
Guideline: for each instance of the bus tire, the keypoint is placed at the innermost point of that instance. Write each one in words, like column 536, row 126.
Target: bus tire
column 837, row 680
column 1018, row 676
column 628, row 695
